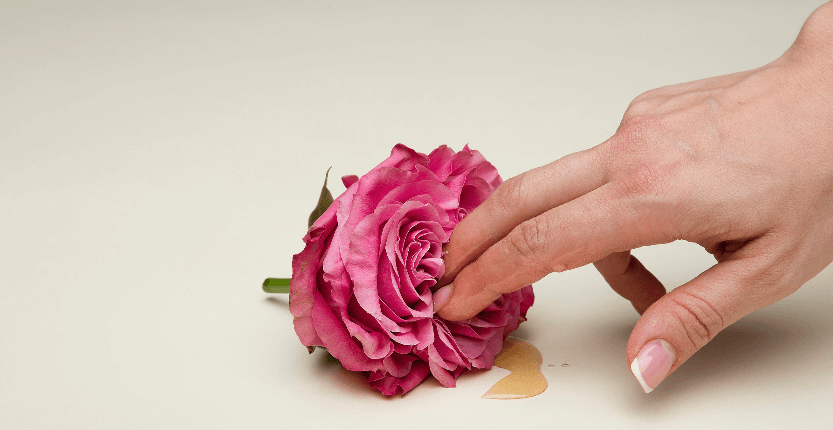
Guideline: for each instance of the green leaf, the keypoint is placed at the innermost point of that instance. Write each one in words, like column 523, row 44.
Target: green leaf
column 324, row 202
column 276, row 285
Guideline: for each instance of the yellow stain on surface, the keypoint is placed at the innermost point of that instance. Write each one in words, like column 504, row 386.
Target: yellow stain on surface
column 524, row 361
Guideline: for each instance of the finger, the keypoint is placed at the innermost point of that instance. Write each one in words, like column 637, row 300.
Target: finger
column 571, row 235
column 688, row 317
column 630, row 279
column 517, row 200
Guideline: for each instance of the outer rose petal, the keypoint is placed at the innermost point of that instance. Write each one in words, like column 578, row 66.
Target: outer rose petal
column 348, row 180
column 389, row 384
column 467, row 159
column 338, row 341
column 440, row 161
column 404, row 158
column 305, row 267
column 527, row 299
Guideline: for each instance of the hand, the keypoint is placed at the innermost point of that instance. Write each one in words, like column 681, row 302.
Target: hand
column 740, row 164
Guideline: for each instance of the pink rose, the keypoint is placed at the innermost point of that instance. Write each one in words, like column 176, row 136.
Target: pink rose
column 362, row 285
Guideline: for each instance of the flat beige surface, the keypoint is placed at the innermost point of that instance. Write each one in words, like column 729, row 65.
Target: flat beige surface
column 159, row 159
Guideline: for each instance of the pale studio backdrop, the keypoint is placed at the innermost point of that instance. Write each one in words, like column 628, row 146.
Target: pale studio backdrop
column 159, row 159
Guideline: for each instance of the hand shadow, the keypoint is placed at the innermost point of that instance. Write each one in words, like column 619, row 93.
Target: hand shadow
column 760, row 346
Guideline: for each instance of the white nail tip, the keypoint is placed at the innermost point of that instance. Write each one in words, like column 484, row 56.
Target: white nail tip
column 638, row 375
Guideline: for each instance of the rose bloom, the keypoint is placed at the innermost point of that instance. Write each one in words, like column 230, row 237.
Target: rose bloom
column 362, row 285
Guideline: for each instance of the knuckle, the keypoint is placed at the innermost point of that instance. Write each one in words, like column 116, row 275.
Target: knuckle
column 528, row 239
column 700, row 320
column 646, row 179
column 774, row 279
column 647, row 182
column 634, row 138
column 644, row 96
column 781, row 281
column 510, row 194
column 641, row 106
column 639, row 131
column 628, row 117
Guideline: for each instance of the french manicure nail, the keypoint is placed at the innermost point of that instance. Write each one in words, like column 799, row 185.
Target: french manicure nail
column 441, row 296
column 653, row 363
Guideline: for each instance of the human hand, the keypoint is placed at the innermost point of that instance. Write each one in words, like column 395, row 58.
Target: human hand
column 740, row 164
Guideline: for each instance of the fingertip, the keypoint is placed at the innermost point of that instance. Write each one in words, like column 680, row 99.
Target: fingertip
column 441, row 296
column 445, row 307
column 462, row 249
column 653, row 364
column 631, row 280
column 451, row 259
column 453, row 303
column 453, row 312
column 449, row 313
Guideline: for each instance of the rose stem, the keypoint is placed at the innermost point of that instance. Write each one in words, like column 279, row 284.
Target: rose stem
column 276, row 285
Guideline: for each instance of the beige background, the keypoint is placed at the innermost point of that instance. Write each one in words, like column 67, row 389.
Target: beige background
column 159, row 159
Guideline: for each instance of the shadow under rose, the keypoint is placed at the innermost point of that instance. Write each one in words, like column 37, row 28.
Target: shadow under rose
column 280, row 300
column 324, row 367
column 328, row 370
column 522, row 332
column 349, row 383
column 355, row 383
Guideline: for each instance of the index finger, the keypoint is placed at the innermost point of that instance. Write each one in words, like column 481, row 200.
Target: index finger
column 519, row 199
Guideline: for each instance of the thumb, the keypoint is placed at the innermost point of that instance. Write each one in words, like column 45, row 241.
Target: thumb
column 687, row 318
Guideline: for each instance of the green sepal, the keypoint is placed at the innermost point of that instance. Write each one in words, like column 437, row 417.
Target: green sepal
column 276, row 285
column 324, row 202
column 329, row 358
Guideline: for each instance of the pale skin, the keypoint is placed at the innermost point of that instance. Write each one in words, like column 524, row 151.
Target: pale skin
column 740, row 164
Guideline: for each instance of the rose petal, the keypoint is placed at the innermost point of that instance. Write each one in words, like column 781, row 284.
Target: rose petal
column 338, row 341
column 389, row 384
column 443, row 375
column 439, row 161
column 349, row 180
column 491, row 349
column 305, row 267
column 398, row 365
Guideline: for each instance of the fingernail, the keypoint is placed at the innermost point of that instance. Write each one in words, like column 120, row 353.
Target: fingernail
column 441, row 296
column 653, row 363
